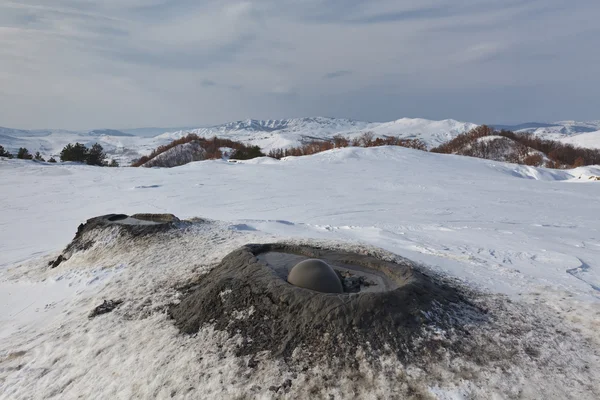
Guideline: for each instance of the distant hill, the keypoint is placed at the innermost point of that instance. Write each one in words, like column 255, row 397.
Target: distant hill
column 109, row 132
column 273, row 134
column 519, row 148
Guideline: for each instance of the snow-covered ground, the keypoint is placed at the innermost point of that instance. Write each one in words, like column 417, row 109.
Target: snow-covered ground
column 589, row 140
column 530, row 233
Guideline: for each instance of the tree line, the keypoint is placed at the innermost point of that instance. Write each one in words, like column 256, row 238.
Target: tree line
column 338, row 141
column 71, row 152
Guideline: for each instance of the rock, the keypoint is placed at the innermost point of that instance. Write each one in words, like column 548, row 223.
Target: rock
column 106, row 307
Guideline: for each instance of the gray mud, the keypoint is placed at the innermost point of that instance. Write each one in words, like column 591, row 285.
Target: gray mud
column 354, row 278
column 244, row 295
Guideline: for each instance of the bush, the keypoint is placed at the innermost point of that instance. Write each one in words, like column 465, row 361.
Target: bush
column 96, row 155
column 247, row 153
column 77, row 152
column 113, row 163
column 51, row 160
column 23, row 154
column 4, row 153
column 38, row 157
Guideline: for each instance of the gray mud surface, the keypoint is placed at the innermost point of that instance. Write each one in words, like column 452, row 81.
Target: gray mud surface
column 244, row 295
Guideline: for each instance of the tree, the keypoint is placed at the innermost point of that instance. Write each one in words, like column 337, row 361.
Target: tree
column 113, row 163
column 51, row 160
column 247, row 153
column 77, row 152
column 579, row 162
column 96, row 155
column 23, row 154
column 4, row 153
column 38, row 156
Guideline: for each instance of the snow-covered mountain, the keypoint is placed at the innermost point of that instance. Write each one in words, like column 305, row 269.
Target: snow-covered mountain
column 554, row 131
column 108, row 132
column 590, row 140
column 270, row 134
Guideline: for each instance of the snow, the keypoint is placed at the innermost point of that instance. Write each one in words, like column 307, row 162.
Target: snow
column 590, row 140
column 563, row 129
column 530, row 233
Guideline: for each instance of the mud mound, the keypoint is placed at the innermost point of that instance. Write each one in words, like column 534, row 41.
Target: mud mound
column 245, row 295
column 135, row 226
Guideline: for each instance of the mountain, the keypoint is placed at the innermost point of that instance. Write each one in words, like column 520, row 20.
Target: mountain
column 271, row 134
column 154, row 131
column 554, row 131
column 589, row 140
column 108, row 132
column 524, row 126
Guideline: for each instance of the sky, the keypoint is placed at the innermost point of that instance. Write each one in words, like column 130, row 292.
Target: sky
column 82, row 64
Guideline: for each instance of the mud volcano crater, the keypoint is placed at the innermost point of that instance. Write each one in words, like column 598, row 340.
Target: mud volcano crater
column 384, row 307
column 134, row 227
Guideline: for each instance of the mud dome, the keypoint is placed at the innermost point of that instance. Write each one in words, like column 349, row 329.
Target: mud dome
column 137, row 225
column 248, row 294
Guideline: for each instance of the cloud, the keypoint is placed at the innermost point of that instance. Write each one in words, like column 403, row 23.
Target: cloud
column 85, row 63
column 337, row 74
column 208, row 83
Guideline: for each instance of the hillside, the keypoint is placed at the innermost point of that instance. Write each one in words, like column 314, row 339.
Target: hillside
column 519, row 148
column 589, row 140
column 178, row 155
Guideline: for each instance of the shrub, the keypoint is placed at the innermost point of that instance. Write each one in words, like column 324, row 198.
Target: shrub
column 4, row 153
column 23, row 154
column 247, row 153
column 96, row 155
column 534, row 160
column 38, row 156
column 113, row 163
column 51, row 160
column 579, row 161
column 77, row 152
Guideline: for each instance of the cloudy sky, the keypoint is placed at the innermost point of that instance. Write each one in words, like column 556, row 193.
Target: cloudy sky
column 80, row 64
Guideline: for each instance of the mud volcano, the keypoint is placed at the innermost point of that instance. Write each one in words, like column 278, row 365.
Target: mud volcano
column 134, row 226
column 385, row 306
column 316, row 275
